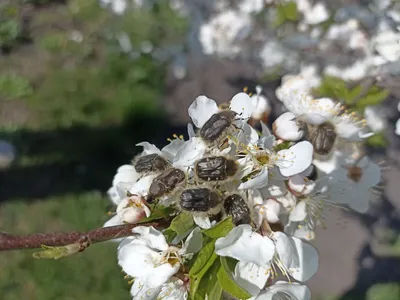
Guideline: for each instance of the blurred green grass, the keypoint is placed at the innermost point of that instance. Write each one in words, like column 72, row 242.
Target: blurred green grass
column 93, row 274
column 74, row 111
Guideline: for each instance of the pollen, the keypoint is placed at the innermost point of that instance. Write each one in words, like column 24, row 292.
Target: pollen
column 245, row 89
column 263, row 158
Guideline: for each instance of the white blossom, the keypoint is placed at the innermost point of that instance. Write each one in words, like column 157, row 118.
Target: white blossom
column 243, row 244
column 132, row 209
column 299, row 259
column 174, row 289
column 353, row 184
column 261, row 105
column 375, row 118
column 223, row 34
column 149, row 257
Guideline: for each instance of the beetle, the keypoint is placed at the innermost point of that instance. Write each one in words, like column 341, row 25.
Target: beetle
column 215, row 168
column 166, row 183
column 216, row 125
column 323, row 138
column 198, row 199
column 150, row 163
column 237, row 207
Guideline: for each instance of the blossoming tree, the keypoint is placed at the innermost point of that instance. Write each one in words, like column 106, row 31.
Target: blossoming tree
column 232, row 209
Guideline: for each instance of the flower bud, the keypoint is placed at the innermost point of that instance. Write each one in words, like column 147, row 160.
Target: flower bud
column 287, row 128
column 261, row 107
column 132, row 209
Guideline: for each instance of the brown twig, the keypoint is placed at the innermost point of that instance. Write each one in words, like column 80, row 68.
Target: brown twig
column 13, row 242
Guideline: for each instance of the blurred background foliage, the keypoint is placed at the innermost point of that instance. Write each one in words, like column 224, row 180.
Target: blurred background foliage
column 74, row 105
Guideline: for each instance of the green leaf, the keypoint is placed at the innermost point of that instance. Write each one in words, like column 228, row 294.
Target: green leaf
column 351, row 94
column 227, row 282
column 204, row 259
column 377, row 140
column 208, row 285
column 284, row 145
column 286, row 12
column 51, row 252
column 290, row 11
column 220, row 230
column 229, row 263
column 159, row 212
column 182, row 223
column 169, row 235
column 332, row 87
column 375, row 96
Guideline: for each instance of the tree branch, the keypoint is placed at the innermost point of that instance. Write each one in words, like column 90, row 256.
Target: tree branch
column 13, row 242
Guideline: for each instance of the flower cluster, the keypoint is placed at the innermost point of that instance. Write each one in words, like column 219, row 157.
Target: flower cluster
column 244, row 201
column 313, row 38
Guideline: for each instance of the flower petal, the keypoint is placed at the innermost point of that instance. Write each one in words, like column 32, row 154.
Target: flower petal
column 300, row 258
column 136, row 259
column 242, row 105
column 286, row 127
column 245, row 245
column 257, row 182
column 264, row 130
column 251, row 277
column 141, row 291
column 113, row 195
column 114, row 221
column 170, row 150
column 175, row 289
column 269, row 210
column 286, row 290
column 132, row 209
column 125, row 173
column 201, row 110
column 194, row 242
column 299, row 212
column 299, row 156
column 122, row 189
column 247, row 136
column 142, row 186
column 321, row 110
column 266, row 142
column 191, row 132
column 298, row 184
column 261, row 106
column 202, row 221
column 371, row 174
column 302, row 232
column 148, row 148
column 152, row 237
column 160, row 275
column 189, row 153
